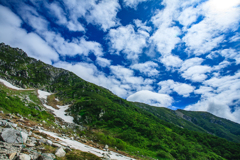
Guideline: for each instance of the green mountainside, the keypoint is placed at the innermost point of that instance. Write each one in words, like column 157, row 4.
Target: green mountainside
column 138, row 129
column 197, row 121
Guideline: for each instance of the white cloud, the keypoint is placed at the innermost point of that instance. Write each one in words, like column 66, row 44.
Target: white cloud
column 64, row 47
column 122, row 81
column 165, row 38
column 133, row 3
column 192, row 70
column 221, row 65
column 227, row 53
column 11, row 33
column 219, row 18
column 75, row 47
column 231, row 54
column 217, row 95
column 191, row 62
column 166, row 35
column 90, row 73
column 203, row 90
column 104, row 14
column 127, row 76
column 125, row 39
column 167, row 87
column 171, row 61
column 152, row 98
column 148, row 68
column 61, row 19
column 188, row 16
column 196, row 73
column 142, row 26
column 235, row 38
column 103, row 62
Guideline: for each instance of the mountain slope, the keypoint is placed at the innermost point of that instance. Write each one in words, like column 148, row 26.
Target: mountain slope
column 113, row 120
column 197, row 121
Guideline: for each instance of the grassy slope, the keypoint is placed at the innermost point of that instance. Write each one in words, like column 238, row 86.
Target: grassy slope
column 197, row 121
column 122, row 124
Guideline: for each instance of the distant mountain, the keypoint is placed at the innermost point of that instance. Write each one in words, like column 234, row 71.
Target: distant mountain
column 197, row 121
column 138, row 129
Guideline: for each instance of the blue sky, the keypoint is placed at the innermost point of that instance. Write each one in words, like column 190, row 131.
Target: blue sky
column 172, row 53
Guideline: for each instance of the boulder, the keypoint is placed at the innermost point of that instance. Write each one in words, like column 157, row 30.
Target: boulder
column 56, row 145
column 11, row 155
column 60, row 152
column 24, row 157
column 47, row 156
column 10, row 135
column 48, row 142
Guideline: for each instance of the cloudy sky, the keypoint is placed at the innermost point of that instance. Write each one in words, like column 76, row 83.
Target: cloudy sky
column 179, row 54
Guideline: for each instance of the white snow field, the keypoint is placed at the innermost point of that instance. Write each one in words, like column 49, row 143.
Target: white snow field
column 58, row 112
column 9, row 85
column 85, row 148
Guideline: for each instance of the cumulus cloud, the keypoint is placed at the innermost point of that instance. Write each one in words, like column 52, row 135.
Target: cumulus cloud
column 148, row 68
column 192, row 70
column 217, row 95
column 126, row 76
column 167, row 87
column 228, row 54
column 219, row 18
column 64, row 47
column 61, row 17
column 128, row 41
column 235, row 38
column 103, row 62
column 166, row 35
column 171, row 61
column 122, row 81
column 11, row 33
column 152, row 98
column 191, row 62
column 231, row 54
column 165, row 38
column 90, row 73
column 104, row 14
column 196, row 73
column 133, row 3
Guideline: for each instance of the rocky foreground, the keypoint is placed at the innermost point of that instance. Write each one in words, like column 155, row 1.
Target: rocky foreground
column 22, row 141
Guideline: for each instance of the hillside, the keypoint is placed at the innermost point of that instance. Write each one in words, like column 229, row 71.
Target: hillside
column 197, row 121
column 137, row 129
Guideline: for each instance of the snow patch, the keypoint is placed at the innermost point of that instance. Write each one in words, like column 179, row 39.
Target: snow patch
column 58, row 112
column 43, row 94
column 9, row 85
column 85, row 148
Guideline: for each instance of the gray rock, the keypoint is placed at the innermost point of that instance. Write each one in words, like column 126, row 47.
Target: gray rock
column 47, row 156
column 56, row 145
column 42, row 141
column 35, row 154
column 10, row 135
column 106, row 156
column 48, row 142
column 31, row 144
column 24, row 157
column 106, row 146
column 11, row 155
column 60, row 152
